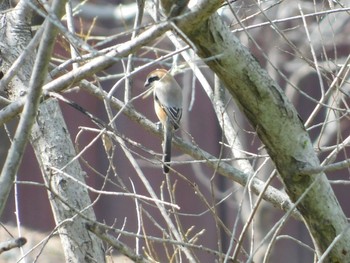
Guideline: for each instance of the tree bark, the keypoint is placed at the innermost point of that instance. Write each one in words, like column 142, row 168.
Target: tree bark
column 55, row 151
column 50, row 140
column 277, row 124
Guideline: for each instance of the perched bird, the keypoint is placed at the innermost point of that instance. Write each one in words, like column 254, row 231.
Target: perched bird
column 167, row 96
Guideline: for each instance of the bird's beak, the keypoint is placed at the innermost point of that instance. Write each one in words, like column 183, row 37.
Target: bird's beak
column 147, row 84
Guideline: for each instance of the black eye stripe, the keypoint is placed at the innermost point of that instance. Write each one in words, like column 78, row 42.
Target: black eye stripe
column 153, row 78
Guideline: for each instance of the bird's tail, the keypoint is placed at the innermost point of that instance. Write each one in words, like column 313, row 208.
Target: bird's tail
column 168, row 134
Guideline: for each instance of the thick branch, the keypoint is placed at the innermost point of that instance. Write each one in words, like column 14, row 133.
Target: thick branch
column 278, row 126
column 16, row 151
column 49, row 138
column 12, row 243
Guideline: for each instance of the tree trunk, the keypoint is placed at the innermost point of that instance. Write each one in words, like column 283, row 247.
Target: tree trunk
column 55, row 151
column 52, row 144
column 277, row 124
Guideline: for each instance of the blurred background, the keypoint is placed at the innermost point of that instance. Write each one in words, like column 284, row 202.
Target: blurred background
column 285, row 37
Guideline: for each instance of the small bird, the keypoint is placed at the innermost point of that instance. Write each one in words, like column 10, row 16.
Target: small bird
column 167, row 96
